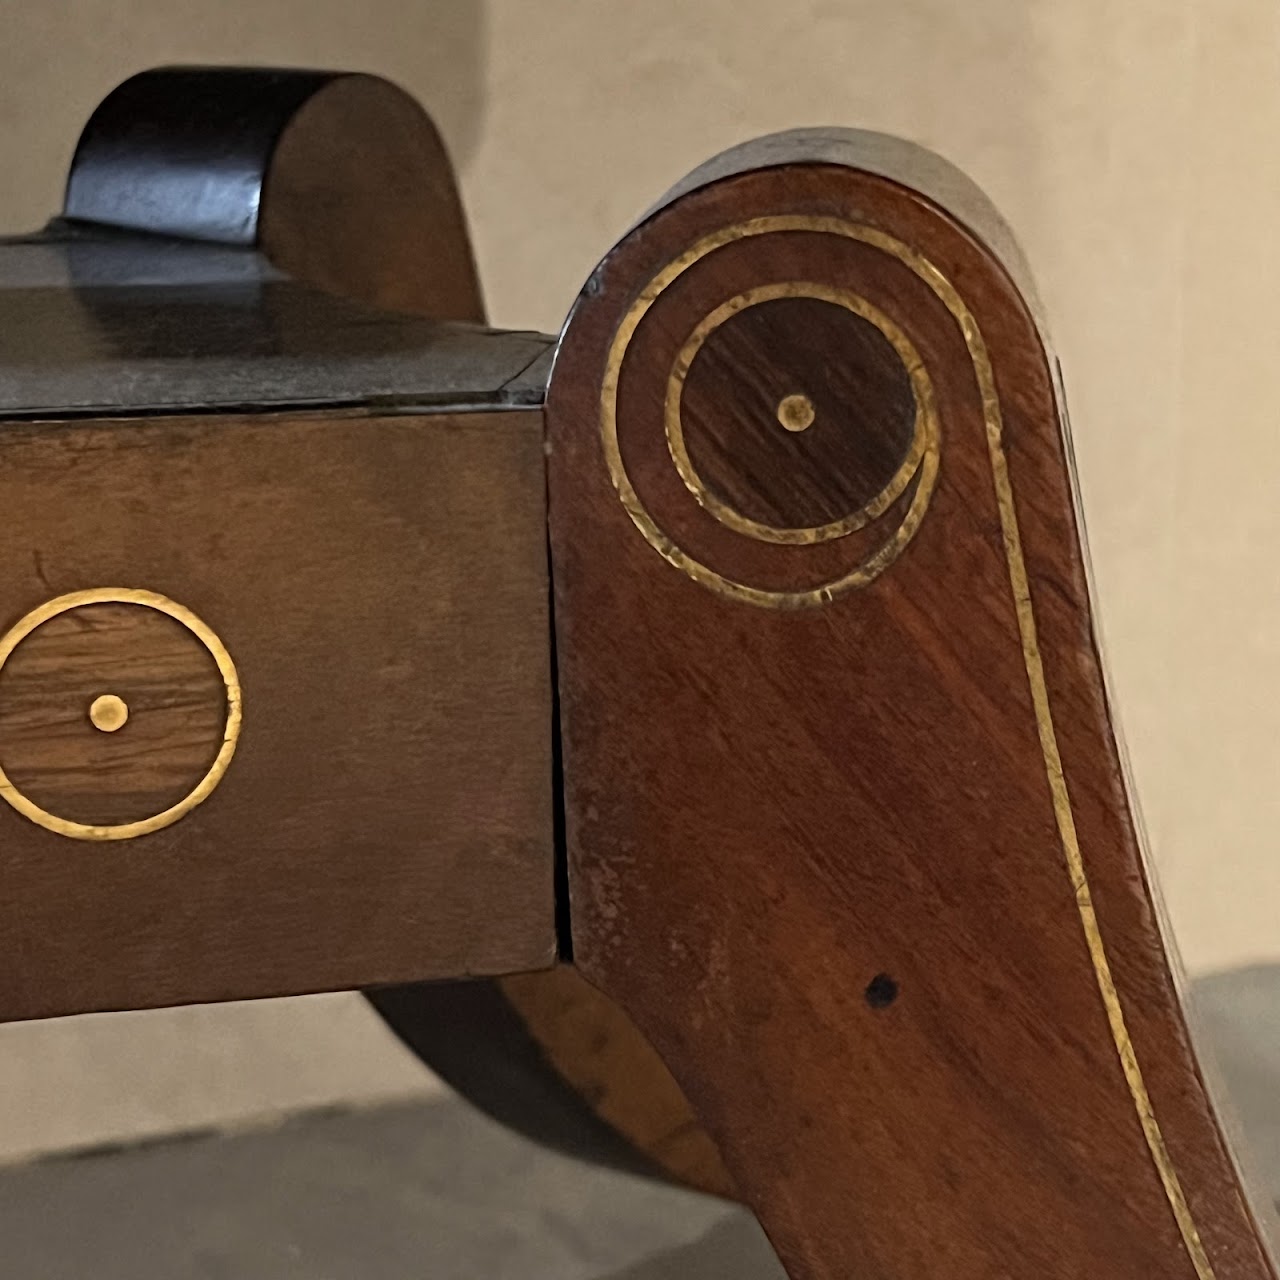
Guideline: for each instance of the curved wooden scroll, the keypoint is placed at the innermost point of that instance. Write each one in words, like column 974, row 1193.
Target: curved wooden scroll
column 848, row 830
column 341, row 179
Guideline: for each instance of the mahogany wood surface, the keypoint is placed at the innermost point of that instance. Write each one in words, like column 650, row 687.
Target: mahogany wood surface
column 847, row 827
column 341, row 181
column 361, row 200
column 380, row 585
column 848, row 834
column 175, row 713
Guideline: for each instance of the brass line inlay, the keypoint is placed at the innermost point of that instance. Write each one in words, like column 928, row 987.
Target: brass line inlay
column 108, row 712
column 796, row 412
column 924, row 430
column 1019, row 584
column 1063, row 813
column 230, row 734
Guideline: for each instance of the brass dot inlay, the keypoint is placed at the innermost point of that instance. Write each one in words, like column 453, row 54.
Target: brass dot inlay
column 795, row 412
column 108, row 712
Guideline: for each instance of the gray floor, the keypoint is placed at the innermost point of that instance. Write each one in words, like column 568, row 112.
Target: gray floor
column 1238, row 1015
column 423, row 1191
column 434, row 1191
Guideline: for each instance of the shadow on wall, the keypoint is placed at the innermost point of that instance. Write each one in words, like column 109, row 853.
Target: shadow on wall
column 60, row 59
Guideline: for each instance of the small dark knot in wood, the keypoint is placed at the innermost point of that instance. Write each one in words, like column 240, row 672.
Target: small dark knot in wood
column 881, row 991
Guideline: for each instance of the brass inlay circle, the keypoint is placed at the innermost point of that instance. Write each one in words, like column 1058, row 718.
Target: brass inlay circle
column 230, row 734
column 924, row 428
column 876, row 563
column 108, row 712
column 796, row 412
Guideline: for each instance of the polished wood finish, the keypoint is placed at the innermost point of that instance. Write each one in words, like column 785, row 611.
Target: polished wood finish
column 380, row 583
column 361, row 200
column 734, row 401
column 183, row 151
column 112, row 326
column 847, row 827
column 342, row 179
column 847, row 830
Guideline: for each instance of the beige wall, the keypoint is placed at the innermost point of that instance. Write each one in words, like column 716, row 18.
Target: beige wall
column 1131, row 144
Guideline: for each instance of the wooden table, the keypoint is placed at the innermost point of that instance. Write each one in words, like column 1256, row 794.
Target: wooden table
column 735, row 647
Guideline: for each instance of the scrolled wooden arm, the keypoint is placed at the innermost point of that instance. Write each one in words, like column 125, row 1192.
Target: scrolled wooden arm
column 848, row 829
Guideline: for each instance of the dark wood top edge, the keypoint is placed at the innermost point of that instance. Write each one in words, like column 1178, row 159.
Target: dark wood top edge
column 147, row 154
column 69, row 254
column 119, row 324
column 907, row 163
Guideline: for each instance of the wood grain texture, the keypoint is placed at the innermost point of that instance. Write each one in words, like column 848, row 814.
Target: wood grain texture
column 819, row 845
column 340, row 178
column 592, row 1044
column 841, row 367
column 342, row 182
column 360, row 200
column 175, row 345
column 381, row 586
column 176, row 707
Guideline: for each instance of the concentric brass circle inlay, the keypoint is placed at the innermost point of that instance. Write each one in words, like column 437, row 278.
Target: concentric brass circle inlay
column 920, row 466
column 109, row 713
column 923, row 430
